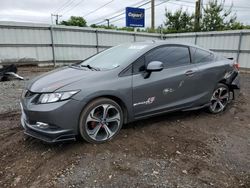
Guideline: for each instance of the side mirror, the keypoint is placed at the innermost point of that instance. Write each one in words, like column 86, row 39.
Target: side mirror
column 154, row 66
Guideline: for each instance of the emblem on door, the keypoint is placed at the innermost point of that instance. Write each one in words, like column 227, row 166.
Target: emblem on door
column 150, row 100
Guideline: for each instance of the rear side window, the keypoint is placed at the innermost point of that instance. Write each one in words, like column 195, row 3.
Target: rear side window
column 201, row 56
column 170, row 56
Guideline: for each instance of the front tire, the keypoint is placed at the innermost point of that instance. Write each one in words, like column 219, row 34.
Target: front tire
column 100, row 121
column 219, row 99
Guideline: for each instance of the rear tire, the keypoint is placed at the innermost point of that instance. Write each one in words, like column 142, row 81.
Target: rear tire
column 100, row 121
column 219, row 99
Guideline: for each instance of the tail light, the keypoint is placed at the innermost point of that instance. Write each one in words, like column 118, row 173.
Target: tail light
column 236, row 66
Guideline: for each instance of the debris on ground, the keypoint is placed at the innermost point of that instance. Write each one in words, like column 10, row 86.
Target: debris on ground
column 9, row 72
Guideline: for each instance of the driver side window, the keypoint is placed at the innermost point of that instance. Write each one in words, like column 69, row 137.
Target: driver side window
column 170, row 56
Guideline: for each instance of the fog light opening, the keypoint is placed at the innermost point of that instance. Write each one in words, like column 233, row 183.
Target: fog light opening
column 42, row 125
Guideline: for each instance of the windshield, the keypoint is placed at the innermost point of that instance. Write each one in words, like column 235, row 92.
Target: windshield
column 113, row 57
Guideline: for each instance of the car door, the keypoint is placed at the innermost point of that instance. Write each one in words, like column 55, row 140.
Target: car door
column 170, row 89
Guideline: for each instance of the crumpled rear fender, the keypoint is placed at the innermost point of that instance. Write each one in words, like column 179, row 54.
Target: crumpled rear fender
column 232, row 79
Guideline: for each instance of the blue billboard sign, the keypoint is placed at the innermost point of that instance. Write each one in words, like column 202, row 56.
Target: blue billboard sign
column 135, row 17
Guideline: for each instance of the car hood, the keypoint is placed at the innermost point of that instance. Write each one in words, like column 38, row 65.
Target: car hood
column 54, row 80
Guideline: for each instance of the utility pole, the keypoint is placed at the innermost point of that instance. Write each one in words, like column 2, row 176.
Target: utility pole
column 161, row 31
column 197, row 15
column 51, row 17
column 201, row 5
column 57, row 18
column 107, row 22
column 152, row 14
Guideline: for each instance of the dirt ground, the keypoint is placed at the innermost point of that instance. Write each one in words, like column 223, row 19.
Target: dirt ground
column 184, row 149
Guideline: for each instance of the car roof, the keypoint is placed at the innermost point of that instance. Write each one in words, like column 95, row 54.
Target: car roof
column 151, row 44
column 155, row 43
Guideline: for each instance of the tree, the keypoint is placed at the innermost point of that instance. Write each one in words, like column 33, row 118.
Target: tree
column 217, row 18
column 75, row 21
column 236, row 25
column 179, row 21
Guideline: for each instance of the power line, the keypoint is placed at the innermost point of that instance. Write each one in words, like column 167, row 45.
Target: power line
column 81, row 1
column 62, row 6
column 241, row 7
column 123, row 13
column 137, row 7
column 167, row 1
column 120, row 10
column 71, row 3
column 98, row 8
column 192, row 6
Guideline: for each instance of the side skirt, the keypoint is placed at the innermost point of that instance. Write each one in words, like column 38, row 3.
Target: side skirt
column 197, row 107
column 169, row 111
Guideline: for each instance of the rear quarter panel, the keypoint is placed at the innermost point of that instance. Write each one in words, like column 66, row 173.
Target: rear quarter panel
column 211, row 73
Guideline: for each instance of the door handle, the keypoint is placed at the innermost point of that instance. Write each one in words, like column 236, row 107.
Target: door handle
column 189, row 73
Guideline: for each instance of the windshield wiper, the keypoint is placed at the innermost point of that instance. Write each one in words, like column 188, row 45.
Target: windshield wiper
column 74, row 66
column 90, row 67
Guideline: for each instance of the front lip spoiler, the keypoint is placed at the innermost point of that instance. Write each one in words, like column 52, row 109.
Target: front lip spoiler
column 47, row 136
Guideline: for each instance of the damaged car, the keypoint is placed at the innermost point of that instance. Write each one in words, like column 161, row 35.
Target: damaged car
column 96, row 97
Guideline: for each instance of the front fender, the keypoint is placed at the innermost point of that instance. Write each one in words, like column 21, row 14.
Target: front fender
column 124, row 97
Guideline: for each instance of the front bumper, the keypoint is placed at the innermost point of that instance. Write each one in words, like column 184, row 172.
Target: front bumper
column 49, row 136
column 61, row 118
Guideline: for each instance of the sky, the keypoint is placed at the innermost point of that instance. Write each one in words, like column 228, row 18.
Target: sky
column 96, row 11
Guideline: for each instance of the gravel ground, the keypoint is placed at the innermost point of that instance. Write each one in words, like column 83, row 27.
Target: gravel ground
column 184, row 149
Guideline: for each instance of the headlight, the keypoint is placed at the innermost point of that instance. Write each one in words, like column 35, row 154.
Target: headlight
column 55, row 97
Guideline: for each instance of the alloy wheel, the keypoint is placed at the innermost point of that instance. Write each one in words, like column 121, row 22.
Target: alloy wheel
column 219, row 100
column 103, row 122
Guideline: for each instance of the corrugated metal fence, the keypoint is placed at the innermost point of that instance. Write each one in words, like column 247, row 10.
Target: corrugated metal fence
column 26, row 43
column 33, row 43
column 234, row 44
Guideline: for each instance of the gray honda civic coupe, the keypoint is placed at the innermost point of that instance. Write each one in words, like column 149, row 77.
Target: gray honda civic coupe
column 128, row 82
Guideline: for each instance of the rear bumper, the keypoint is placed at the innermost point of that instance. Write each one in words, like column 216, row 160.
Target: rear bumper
column 236, row 82
column 235, row 86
